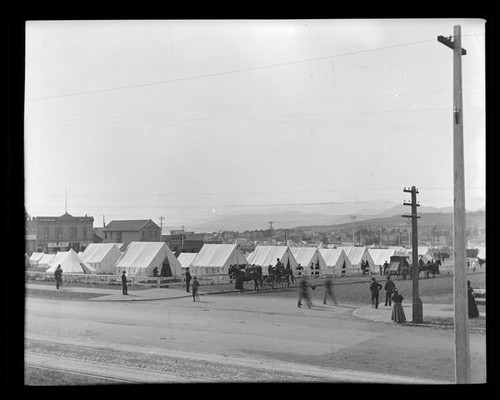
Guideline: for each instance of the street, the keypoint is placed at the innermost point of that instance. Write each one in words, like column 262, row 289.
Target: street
column 268, row 339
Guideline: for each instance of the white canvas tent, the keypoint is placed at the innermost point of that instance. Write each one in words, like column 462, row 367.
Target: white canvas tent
column 102, row 256
column 45, row 260
column 334, row 261
column 266, row 255
column 307, row 257
column 379, row 257
column 141, row 258
column 35, row 258
column 70, row 263
column 356, row 255
column 216, row 259
column 186, row 259
column 56, row 259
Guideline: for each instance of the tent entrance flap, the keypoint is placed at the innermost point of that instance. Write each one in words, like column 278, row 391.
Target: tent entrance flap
column 165, row 269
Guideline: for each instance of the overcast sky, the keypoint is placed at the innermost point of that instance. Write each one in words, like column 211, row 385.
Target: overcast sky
column 187, row 119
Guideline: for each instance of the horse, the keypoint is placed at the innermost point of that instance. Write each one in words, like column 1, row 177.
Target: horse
column 249, row 273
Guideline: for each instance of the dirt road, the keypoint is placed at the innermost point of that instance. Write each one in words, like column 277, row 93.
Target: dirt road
column 233, row 338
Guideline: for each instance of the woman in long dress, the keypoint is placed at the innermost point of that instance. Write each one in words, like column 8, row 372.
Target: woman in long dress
column 398, row 314
column 473, row 311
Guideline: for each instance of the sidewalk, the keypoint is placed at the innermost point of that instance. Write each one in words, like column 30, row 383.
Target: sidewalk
column 108, row 294
column 384, row 313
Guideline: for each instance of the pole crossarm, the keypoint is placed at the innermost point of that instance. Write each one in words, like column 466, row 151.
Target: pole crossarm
column 411, row 216
column 449, row 43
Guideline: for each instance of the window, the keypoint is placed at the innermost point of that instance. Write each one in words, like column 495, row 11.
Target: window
column 72, row 233
column 46, row 233
column 105, row 235
column 59, row 233
column 118, row 237
column 84, row 232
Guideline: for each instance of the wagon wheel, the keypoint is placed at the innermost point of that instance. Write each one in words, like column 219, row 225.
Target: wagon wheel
column 268, row 283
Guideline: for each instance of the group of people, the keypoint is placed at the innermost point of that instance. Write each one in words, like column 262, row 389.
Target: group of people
column 391, row 296
column 391, row 293
column 304, row 292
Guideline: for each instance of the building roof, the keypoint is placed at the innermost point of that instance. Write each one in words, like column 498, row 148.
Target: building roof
column 65, row 216
column 128, row 225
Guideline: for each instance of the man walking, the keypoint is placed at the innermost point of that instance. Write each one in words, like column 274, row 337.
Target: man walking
column 188, row 279
column 124, row 283
column 304, row 293
column 58, row 276
column 375, row 288
column 195, row 288
column 389, row 288
column 329, row 290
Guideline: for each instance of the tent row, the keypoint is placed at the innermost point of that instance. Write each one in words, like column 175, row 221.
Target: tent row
column 138, row 259
column 217, row 258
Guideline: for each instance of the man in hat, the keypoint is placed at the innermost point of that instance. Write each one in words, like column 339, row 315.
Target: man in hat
column 188, row 279
column 58, row 276
column 124, row 283
column 389, row 287
column 375, row 289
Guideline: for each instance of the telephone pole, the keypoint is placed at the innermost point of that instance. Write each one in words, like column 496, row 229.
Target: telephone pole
column 353, row 218
column 462, row 350
column 417, row 314
column 161, row 226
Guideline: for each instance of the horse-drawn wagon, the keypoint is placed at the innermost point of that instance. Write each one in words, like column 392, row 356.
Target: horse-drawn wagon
column 399, row 266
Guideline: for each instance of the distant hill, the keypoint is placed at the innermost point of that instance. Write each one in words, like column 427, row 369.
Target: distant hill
column 324, row 216
column 441, row 220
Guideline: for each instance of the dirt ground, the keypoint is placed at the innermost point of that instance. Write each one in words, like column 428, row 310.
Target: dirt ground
column 208, row 340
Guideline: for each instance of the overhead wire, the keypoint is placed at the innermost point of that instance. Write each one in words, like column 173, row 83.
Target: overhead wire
column 229, row 72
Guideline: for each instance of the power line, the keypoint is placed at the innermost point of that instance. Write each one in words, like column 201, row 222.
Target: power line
column 235, row 71
column 166, row 121
column 223, row 107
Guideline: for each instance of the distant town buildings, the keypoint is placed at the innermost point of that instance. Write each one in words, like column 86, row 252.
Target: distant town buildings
column 53, row 234
column 126, row 231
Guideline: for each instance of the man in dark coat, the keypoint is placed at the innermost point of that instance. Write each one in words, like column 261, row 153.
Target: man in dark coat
column 188, row 279
column 58, row 276
column 304, row 292
column 375, row 288
column 124, row 283
column 386, row 265
column 389, row 288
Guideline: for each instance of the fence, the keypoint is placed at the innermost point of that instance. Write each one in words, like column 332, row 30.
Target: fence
column 99, row 279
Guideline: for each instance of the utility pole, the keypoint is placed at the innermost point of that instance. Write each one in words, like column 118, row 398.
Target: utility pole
column 417, row 314
column 161, row 226
column 462, row 350
column 353, row 218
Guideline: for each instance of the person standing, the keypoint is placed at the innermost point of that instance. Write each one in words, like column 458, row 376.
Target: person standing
column 329, row 290
column 195, row 285
column 188, row 279
column 124, row 283
column 58, row 275
column 386, row 265
column 304, row 293
column 388, row 287
column 398, row 314
column 473, row 311
column 375, row 289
